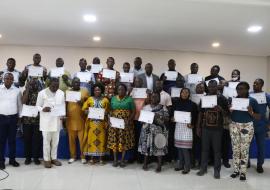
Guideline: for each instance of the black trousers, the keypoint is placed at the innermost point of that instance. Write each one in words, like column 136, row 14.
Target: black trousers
column 8, row 130
column 32, row 141
column 137, row 130
column 172, row 152
column 226, row 145
column 184, row 158
column 211, row 138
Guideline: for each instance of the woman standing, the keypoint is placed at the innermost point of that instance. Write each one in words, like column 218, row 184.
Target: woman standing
column 96, row 130
column 241, row 130
column 154, row 137
column 183, row 135
column 121, row 140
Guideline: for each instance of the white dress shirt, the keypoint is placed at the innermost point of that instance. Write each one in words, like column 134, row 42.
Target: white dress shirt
column 165, row 99
column 10, row 101
column 46, row 98
column 149, row 81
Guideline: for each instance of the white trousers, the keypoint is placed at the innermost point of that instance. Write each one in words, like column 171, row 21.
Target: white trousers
column 50, row 145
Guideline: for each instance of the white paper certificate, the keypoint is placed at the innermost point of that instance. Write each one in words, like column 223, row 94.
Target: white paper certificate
column 96, row 68
column 57, row 72
column 73, row 96
column 240, row 104
column 127, row 77
column 84, row 76
column 171, row 75
column 196, row 98
column 209, row 101
column 194, row 79
column 58, row 110
column 175, row 92
column 29, row 111
column 229, row 92
column 146, row 116
column 216, row 79
column 233, row 84
column 260, row 97
column 139, row 93
column 182, row 117
column 96, row 113
column 117, row 123
column 109, row 74
column 35, row 71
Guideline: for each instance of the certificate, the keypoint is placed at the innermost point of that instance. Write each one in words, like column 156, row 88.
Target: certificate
column 233, row 84
column 139, row 93
column 109, row 74
column 146, row 116
column 229, row 92
column 58, row 110
column 35, row 71
column 240, row 104
column 96, row 113
column 96, row 68
column 175, row 92
column 194, row 79
column 57, row 72
column 209, row 101
column 73, row 96
column 260, row 97
column 29, row 111
column 126, row 77
column 84, row 76
column 196, row 98
column 117, row 123
column 171, row 75
column 182, row 117
column 216, row 79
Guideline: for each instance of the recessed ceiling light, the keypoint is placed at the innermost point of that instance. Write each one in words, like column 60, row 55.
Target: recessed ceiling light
column 215, row 44
column 89, row 18
column 0, row 35
column 254, row 29
column 96, row 38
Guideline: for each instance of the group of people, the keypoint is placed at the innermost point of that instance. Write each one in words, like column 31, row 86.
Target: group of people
column 207, row 137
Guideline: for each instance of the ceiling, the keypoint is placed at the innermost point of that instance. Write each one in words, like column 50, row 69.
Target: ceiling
column 184, row 25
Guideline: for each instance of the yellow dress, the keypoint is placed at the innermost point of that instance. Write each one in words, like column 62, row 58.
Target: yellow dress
column 95, row 130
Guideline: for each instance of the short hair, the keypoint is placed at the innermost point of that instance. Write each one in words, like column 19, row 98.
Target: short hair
column 193, row 64
column 8, row 74
column 11, row 59
column 126, row 63
column 157, row 93
column 96, row 59
column 218, row 68
column 236, row 70
column 54, row 79
column 139, row 58
column 100, row 86
column 111, row 58
column 83, row 59
column 123, row 85
column 260, row 80
column 171, row 60
column 243, row 83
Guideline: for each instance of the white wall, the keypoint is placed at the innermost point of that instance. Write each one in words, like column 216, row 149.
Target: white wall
column 251, row 67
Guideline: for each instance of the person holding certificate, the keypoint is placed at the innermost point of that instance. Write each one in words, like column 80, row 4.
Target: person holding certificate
column 96, row 62
column 76, row 121
column 260, row 126
column 171, row 82
column 126, row 69
column 95, row 132
column 212, row 128
column 154, row 137
column 11, row 63
column 192, row 79
column 31, row 133
column 110, row 84
column 214, row 75
column 241, row 130
column 50, row 124
column 183, row 135
column 85, row 82
column 121, row 140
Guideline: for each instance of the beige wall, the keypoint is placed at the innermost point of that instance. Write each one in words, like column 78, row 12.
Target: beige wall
column 251, row 67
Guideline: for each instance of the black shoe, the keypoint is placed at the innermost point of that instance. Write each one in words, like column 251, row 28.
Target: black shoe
column 226, row 165
column 2, row 166
column 201, row 173
column 178, row 169
column 235, row 174
column 37, row 161
column 27, row 161
column 14, row 163
column 243, row 177
column 185, row 172
column 217, row 175
column 248, row 165
column 260, row 169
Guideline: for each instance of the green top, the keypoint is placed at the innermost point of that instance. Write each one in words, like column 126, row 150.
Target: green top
column 124, row 104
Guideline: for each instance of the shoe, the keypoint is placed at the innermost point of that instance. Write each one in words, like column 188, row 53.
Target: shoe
column 122, row 165
column 27, row 161
column 201, row 173
column 37, row 161
column 226, row 165
column 217, row 175
column 260, row 169
column 2, row 166
column 235, row 174
column 71, row 160
column 185, row 172
column 83, row 161
column 47, row 164
column 101, row 162
column 56, row 163
column 178, row 169
column 158, row 170
column 14, row 163
column 243, row 177
column 115, row 164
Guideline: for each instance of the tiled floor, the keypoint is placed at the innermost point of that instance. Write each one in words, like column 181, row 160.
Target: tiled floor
column 85, row 177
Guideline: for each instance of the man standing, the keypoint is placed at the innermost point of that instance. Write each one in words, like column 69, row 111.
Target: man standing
column 149, row 79
column 11, row 63
column 137, row 70
column 11, row 105
column 194, row 67
column 49, row 123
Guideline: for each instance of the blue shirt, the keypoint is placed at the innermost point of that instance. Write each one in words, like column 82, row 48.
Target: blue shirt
column 244, row 116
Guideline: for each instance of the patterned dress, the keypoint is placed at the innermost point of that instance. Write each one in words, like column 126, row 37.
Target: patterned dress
column 154, row 137
column 95, row 130
column 121, row 139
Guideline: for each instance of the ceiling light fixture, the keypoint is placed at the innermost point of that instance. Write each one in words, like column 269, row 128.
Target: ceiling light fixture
column 215, row 44
column 89, row 18
column 254, row 29
column 96, row 38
